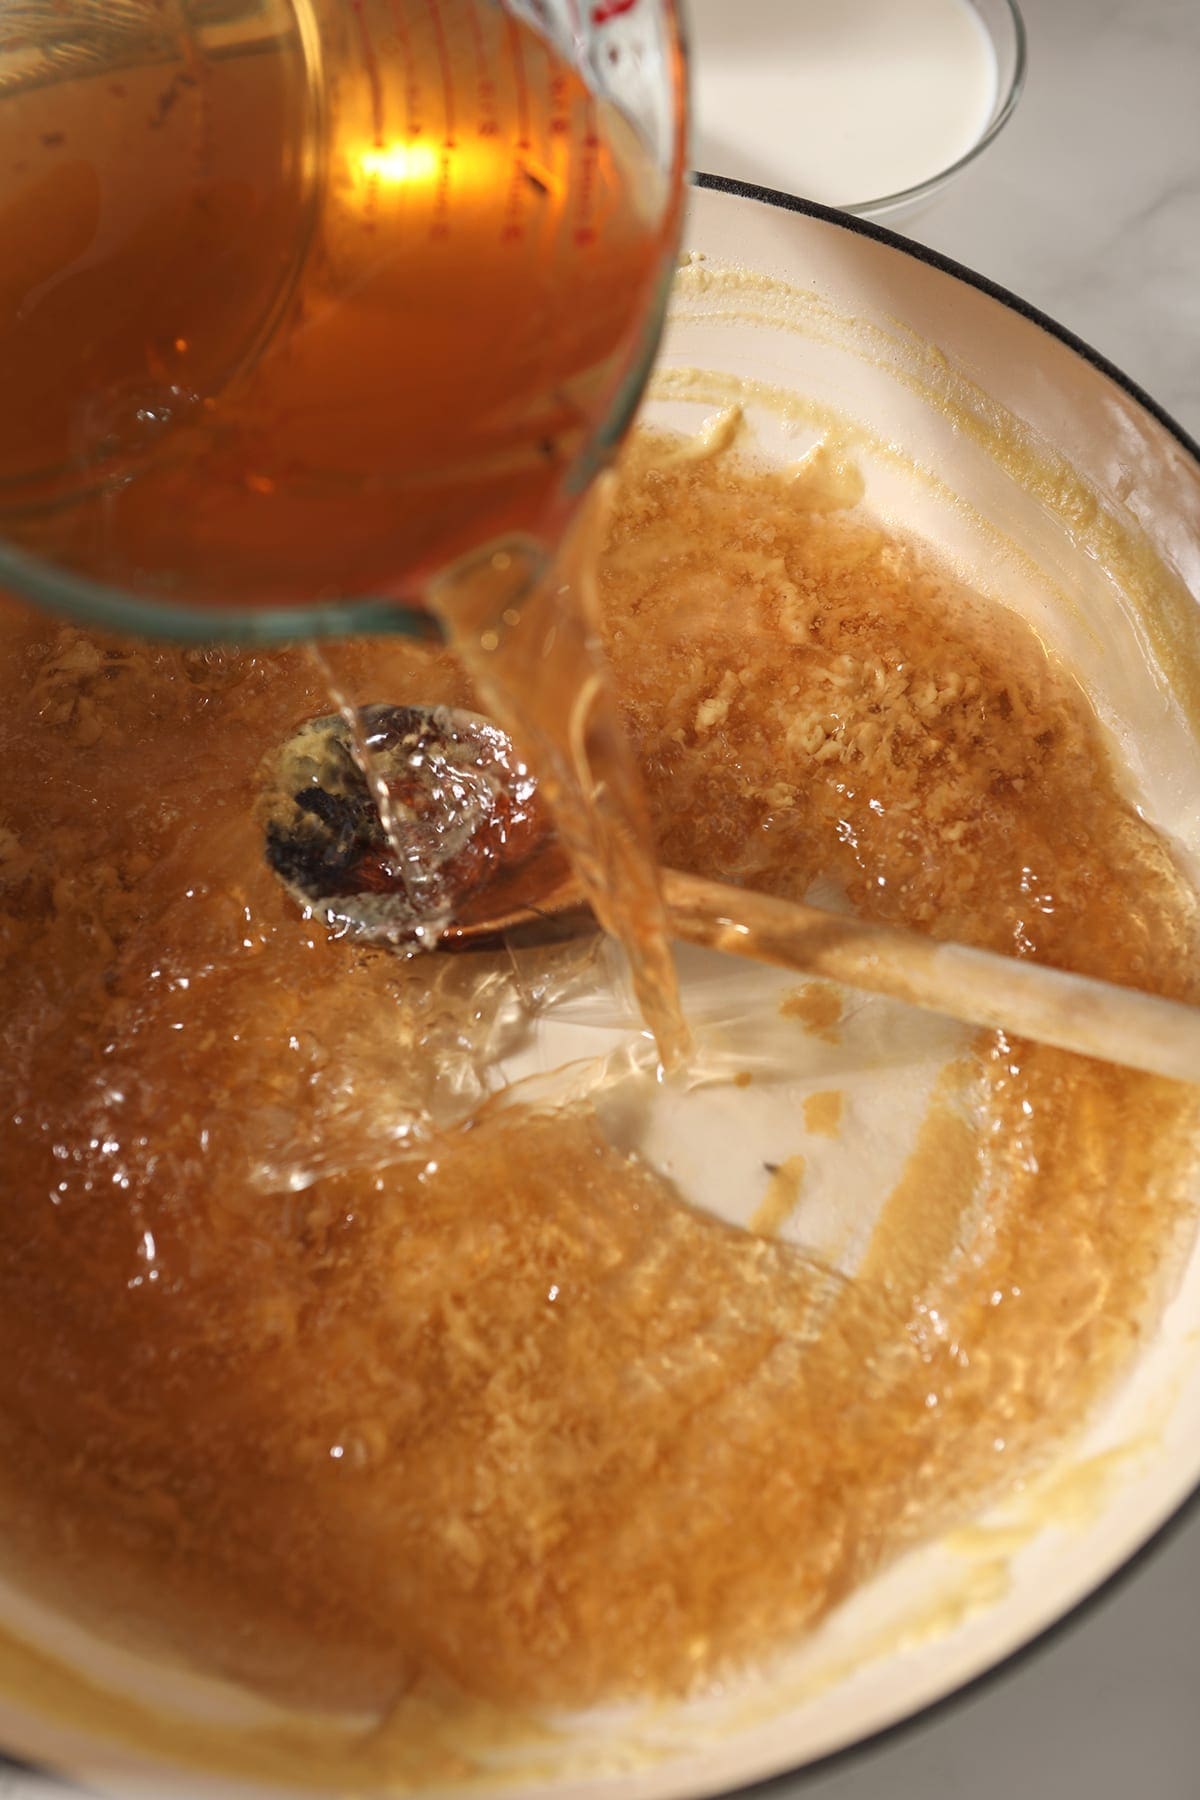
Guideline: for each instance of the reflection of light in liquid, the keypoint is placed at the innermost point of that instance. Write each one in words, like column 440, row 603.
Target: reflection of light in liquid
column 398, row 164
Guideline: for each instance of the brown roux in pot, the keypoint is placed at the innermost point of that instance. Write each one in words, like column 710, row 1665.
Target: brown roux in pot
column 312, row 1383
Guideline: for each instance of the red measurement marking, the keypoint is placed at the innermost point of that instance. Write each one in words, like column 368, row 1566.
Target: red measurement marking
column 433, row 8
column 412, row 97
column 611, row 9
column 440, row 227
column 372, row 68
column 558, row 95
column 477, row 39
column 485, row 87
column 481, row 57
column 522, row 86
column 585, row 213
column 513, row 225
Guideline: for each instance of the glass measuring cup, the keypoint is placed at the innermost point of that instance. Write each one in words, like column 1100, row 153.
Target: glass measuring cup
column 303, row 301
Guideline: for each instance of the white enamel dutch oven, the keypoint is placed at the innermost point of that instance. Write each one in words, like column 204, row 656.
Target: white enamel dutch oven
column 1056, row 487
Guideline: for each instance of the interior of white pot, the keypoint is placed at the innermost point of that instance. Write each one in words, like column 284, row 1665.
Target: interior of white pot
column 1051, row 490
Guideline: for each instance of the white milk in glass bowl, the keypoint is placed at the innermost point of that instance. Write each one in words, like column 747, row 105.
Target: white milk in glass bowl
column 870, row 105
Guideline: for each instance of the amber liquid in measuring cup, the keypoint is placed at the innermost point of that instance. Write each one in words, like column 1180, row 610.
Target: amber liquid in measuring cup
column 305, row 305
column 309, row 300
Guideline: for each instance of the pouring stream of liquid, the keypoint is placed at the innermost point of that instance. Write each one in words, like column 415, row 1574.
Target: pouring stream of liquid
column 531, row 647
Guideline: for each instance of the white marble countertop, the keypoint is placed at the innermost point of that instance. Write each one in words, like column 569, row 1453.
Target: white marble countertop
column 1088, row 205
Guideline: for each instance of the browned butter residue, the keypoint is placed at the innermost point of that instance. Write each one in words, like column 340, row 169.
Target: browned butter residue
column 817, row 1006
column 823, row 1112
column 925, row 1218
column 781, row 1198
column 306, row 1381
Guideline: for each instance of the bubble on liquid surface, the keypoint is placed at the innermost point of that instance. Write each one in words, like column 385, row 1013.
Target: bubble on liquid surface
column 129, row 422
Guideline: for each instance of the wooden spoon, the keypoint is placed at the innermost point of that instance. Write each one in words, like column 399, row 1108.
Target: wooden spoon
column 476, row 863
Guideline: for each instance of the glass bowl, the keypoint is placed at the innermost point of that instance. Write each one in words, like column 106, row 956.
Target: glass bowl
column 1005, row 28
column 747, row 98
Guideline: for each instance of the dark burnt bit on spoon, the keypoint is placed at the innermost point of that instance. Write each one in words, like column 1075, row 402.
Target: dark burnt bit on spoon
column 475, row 857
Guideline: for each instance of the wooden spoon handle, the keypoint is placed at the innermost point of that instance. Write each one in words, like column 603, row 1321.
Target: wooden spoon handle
column 1072, row 1012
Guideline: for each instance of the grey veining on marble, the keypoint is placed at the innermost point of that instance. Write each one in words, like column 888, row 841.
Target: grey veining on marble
column 1088, row 204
